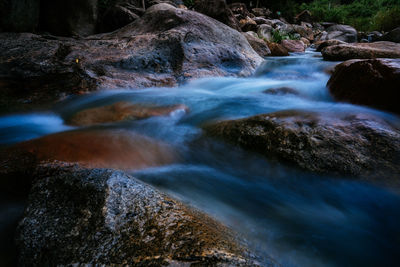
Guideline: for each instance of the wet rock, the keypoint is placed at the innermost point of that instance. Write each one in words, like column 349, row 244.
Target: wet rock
column 265, row 32
column 117, row 149
column 19, row 15
column 68, row 18
column 281, row 91
column 350, row 144
column 218, row 10
column 304, row 32
column 121, row 111
column 260, row 20
column 304, row 16
column 392, row 36
column 82, row 217
column 305, row 41
column 293, row 45
column 322, row 44
column 373, row 82
column 258, row 45
column 165, row 47
column 361, row 51
column 248, row 24
column 343, row 33
column 278, row 50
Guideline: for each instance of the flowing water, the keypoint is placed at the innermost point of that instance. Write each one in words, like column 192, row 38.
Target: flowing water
column 298, row 218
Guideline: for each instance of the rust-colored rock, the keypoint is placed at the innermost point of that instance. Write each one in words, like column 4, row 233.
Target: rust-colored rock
column 120, row 111
column 277, row 50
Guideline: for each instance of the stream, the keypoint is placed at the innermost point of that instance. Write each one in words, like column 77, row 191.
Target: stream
column 297, row 217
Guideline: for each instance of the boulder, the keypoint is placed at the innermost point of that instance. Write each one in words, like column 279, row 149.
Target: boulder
column 258, row 45
column 322, row 44
column 261, row 21
column 68, row 18
column 165, row 47
column 343, row 33
column 117, row 149
column 392, row 36
column 116, row 17
column 342, row 143
column 248, row 24
column 277, row 50
column 219, row 10
column 19, row 15
column 361, row 51
column 293, row 45
column 120, row 111
column 265, row 32
column 373, row 82
column 304, row 32
column 305, row 41
column 374, row 36
column 101, row 217
column 304, row 16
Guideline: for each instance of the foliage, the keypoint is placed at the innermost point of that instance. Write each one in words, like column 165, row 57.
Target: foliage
column 278, row 36
column 387, row 19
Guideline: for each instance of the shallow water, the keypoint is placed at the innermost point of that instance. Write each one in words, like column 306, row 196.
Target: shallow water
column 298, row 218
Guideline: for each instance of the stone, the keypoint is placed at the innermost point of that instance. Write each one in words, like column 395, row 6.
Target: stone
column 118, row 149
column 219, row 10
column 293, row 45
column 277, row 50
column 372, row 82
column 165, row 47
column 322, row 44
column 260, row 20
column 69, row 18
column 355, row 145
column 265, row 32
column 261, row 12
column 19, row 15
column 392, row 36
column 120, row 111
column 343, row 33
column 305, row 41
column 304, row 16
column 258, row 44
column 78, row 217
column 240, row 10
column 304, row 32
column 248, row 24
column 343, row 52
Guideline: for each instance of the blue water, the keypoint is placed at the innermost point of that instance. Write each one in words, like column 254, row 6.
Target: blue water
column 298, row 218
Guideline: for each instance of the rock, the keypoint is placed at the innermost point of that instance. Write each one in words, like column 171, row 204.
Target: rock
column 285, row 28
column 392, row 36
column 304, row 16
column 277, row 50
column 343, row 33
column 248, row 24
column 373, row 82
column 261, row 12
column 68, row 18
column 322, row 44
column 19, row 15
column 165, row 47
column 281, row 91
column 101, row 217
column 120, row 111
column 258, row 45
column 261, row 21
column 293, row 45
column 116, row 17
column 265, row 32
column 117, row 149
column 361, row 51
column 350, row 144
column 304, row 32
column 305, row 41
column 374, row 36
column 240, row 10
column 219, row 10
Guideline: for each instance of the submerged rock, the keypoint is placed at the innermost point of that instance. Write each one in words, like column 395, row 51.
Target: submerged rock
column 372, row 82
column 119, row 149
column 165, row 47
column 281, row 91
column 120, row 111
column 361, row 51
column 358, row 145
column 81, row 216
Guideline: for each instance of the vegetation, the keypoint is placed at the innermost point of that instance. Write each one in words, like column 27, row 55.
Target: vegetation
column 278, row 36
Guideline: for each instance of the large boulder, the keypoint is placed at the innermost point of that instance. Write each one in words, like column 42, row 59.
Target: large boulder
column 293, row 45
column 305, row 32
column 373, row 82
column 247, row 24
column 392, row 36
column 19, row 15
column 101, row 217
column 165, row 47
column 277, row 50
column 68, row 18
column 258, row 44
column 351, row 144
column 343, row 33
column 361, row 51
column 322, row 44
column 218, row 10
column 265, row 31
